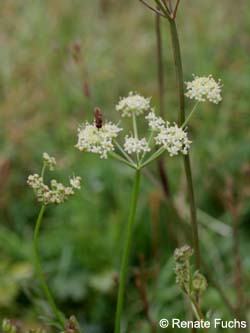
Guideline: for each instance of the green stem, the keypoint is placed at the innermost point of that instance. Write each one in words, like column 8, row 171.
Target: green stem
column 158, row 153
column 197, row 311
column 135, row 133
column 164, row 9
column 124, row 153
column 43, row 170
column 126, row 252
column 135, row 126
column 188, row 171
column 149, row 143
column 121, row 159
column 190, row 115
column 38, row 268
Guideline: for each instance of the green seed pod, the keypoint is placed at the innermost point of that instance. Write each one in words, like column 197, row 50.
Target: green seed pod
column 199, row 283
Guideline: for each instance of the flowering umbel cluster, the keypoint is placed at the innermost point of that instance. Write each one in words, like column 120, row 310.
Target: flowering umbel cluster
column 102, row 139
column 204, row 89
column 173, row 138
column 97, row 140
column 133, row 104
column 56, row 193
column 134, row 145
column 193, row 284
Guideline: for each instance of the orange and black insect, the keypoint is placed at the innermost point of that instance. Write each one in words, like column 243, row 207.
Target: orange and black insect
column 98, row 118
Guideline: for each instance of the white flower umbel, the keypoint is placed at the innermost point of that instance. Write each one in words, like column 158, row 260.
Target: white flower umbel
column 134, row 145
column 97, row 141
column 204, row 89
column 57, row 193
column 50, row 161
column 155, row 123
column 75, row 182
column 174, row 139
column 133, row 104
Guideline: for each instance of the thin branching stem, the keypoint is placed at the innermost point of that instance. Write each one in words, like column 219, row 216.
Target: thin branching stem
column 126, row 252
column 124, row 153
column 176, row 9
column 123, row 160
column 190, row 115
column 164, row 8
column 150, row 139
column 160, row 69
column 170, row 6
column 43, row 170
column 135, row 133
column 39, row 272
column 152, row 8
column 157, row 154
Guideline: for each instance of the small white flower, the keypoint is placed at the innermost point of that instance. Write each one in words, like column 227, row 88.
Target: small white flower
column 134, row 145
column 35, row 181
column 75, row 182
column 133, row 103
column 174, row 139
column 50, row 161
column 155, row 123
column 97, row 141
column 204, row 88
column 57, row 193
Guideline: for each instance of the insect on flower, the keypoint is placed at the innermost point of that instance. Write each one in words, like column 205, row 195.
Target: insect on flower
column 98, row 118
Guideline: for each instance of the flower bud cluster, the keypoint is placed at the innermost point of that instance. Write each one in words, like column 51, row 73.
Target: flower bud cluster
column 182, row 267
column 49, row 161
column 192, row 284
column 97, row 140
column 56, row 193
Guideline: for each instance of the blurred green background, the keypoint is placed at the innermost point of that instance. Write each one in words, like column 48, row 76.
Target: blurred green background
column 59, row 59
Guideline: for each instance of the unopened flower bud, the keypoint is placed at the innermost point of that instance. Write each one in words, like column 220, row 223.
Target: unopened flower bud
column 183, row 253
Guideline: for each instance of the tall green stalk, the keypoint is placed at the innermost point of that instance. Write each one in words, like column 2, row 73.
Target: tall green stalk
column 160, row 80
column 38, row 268
column 126, row 252
column 181, row 120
